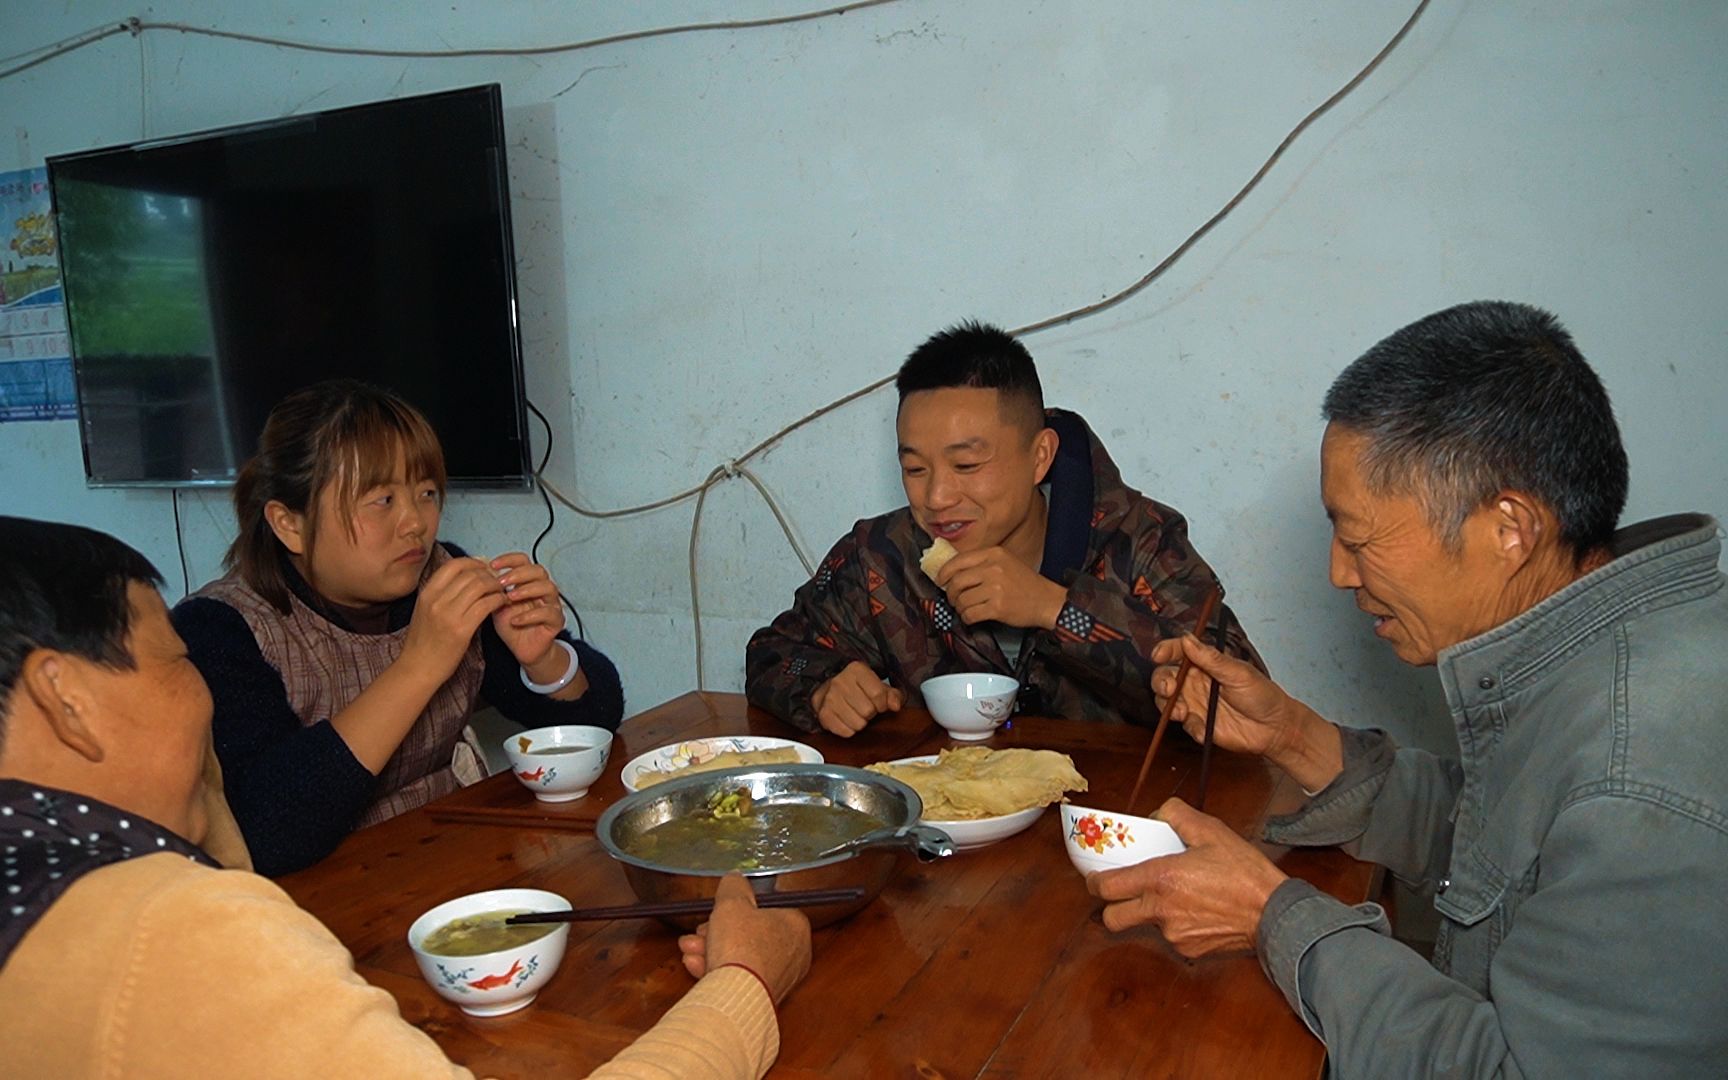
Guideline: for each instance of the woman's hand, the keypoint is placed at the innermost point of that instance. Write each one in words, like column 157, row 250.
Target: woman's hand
column 773, row 945
column 531, row 616
column 456, row 598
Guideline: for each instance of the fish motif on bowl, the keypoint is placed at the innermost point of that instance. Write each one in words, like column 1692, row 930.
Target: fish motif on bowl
column 460, row 982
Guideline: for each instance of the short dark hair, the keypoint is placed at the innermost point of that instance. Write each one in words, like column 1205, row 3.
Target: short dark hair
column 341, row 432
column 63, row 587
column 977, row 355
column 1482, row 398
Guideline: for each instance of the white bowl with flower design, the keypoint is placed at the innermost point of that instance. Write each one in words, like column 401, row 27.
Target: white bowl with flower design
column 1105, row 840
column 559, row 763
column 971, row 705
column 494, row 983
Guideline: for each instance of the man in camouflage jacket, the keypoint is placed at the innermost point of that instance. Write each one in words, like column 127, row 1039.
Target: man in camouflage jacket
column 1121, row 573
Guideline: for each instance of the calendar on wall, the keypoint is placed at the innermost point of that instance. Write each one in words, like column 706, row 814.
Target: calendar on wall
column 35, row 355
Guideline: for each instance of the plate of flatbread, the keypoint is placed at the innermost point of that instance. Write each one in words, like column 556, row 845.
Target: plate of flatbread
column 978, row 795
column 706, row 755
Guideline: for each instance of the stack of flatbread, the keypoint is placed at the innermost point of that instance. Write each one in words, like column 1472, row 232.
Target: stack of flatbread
column 975, row 782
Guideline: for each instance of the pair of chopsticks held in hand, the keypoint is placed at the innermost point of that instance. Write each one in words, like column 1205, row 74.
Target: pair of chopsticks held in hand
column 1211, row 610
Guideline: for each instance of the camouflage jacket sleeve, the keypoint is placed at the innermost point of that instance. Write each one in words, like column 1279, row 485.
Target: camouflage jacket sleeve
column 826, row 628
column 1147, row 584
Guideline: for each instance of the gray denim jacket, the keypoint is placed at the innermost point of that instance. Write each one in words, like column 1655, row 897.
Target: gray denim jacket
column 1577, row 850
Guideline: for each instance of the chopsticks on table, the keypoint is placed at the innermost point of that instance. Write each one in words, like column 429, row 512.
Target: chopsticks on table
column 1211, row 715
column 1206, row 607
column 673, row 908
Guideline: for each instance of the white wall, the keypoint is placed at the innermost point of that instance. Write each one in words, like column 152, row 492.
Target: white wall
column 722, row 231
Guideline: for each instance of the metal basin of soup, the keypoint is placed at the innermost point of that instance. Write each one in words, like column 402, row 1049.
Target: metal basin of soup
column 672, row 847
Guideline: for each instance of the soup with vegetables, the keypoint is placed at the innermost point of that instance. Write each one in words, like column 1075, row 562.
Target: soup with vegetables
column 749, row 837
column 525, row 744
column 472, row 935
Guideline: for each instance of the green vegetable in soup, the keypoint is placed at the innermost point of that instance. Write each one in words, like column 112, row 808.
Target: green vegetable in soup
column 733, row 804
column 472, row 935
column 757, row 837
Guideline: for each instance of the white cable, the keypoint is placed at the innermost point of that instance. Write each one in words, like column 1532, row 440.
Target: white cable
column 137, row 26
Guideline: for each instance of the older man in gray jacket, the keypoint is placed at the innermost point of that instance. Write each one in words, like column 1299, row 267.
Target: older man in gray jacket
column 1577, row 848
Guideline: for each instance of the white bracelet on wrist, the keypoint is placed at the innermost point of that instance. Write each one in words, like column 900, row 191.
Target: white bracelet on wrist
column 569, row 673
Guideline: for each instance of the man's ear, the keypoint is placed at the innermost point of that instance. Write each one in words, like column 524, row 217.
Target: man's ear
column 1044, row 446
column 1521, row 525
column 288, row 525
column 60, row 687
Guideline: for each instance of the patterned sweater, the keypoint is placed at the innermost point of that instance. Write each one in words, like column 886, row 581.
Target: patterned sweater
column 1132, row 580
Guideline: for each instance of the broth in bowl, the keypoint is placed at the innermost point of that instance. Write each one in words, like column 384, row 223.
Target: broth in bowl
column 476, row 935
column 735, row 834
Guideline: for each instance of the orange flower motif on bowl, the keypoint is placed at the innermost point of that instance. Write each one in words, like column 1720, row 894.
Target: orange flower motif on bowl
column 1096, row 833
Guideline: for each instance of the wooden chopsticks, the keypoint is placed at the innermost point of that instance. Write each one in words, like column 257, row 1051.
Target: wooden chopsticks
column 1211, row 715
column 674, row 908
column 1175, row 695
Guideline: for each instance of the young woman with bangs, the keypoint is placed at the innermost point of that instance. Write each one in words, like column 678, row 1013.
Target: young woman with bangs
column 346, row 647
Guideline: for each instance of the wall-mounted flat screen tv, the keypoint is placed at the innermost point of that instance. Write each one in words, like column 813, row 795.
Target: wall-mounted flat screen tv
column 209, row 275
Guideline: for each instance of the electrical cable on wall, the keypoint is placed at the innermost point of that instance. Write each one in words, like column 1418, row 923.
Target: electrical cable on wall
column 180, row 542
column 137, row 27
column 737, row 466
column 551, row 515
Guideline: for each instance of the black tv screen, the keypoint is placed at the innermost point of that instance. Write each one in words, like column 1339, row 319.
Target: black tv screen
column 207, row 276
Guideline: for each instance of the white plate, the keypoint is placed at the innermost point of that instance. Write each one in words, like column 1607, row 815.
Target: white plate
column 976, row 832
column 695, row 751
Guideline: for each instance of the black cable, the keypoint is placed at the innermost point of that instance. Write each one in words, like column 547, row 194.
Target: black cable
column 180, row 542
column 534, row 552
column 551, row 514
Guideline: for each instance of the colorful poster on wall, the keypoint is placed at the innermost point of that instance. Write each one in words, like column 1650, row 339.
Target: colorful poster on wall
column 35, row 355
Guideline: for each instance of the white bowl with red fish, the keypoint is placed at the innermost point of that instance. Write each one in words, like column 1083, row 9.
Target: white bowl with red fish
column 475, row 961
column 559, row 763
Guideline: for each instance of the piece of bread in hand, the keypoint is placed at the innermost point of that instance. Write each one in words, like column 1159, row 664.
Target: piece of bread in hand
column 935, row 557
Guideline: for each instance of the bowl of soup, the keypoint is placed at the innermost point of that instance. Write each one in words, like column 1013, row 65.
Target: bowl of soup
column 480, row 963
column 559, row 763
column 771, row 823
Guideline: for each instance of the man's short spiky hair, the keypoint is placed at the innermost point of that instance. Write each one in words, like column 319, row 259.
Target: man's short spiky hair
column 1482, row 398
column 974, row 354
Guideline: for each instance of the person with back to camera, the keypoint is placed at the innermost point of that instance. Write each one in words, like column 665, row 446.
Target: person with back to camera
column 347, row 645
column 1576, row 844
column 1052, row 569
column 126, row 950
